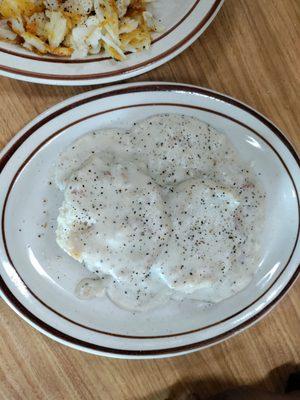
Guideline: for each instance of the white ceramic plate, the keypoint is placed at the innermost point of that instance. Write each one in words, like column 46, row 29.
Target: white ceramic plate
column 38, row 279
column 184, row 21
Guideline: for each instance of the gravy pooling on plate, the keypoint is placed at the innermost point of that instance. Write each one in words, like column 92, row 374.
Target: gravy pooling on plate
column 164, row 211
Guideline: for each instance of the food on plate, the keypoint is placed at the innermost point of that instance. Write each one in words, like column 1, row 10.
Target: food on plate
column 165, row 211
column 77, row 28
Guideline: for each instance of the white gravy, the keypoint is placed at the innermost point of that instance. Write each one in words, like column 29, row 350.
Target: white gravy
column 164, row 211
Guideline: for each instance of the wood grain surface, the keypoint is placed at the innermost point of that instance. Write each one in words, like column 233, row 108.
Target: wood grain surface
column 251, row 52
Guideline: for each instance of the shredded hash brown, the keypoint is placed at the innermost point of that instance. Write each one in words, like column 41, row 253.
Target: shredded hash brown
column 77, row 28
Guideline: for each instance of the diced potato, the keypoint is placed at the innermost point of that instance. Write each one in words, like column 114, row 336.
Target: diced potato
column 122, row 7
column 35, row 42
column 56, row 28
column 5, row 32
column 52, row 5
column 16, row 8
column 16, row 24
column 36, row 24
column 61, row 51
column 82, row 7
column 128, row 25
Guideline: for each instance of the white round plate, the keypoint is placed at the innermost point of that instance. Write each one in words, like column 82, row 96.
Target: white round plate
column 38, row 278
column 183, row 22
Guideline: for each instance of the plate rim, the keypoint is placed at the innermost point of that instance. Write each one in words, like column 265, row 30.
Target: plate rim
column 89, row 96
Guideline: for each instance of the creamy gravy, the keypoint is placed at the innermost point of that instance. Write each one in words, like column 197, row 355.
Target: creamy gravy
column 164, row 211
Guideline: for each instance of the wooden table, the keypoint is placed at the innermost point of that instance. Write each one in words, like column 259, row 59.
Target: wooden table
column 249, row 52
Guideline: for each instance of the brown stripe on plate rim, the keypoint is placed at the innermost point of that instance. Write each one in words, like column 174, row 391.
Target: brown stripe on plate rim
column 112, row 110
column 70, row 340
column 124, row 71
column 98, row 59
column 153, row 87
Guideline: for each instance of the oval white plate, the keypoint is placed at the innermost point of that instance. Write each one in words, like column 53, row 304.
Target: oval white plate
column 38, row 279
column 183, row 21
